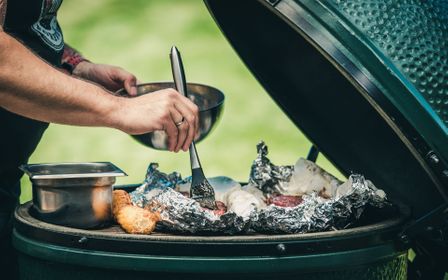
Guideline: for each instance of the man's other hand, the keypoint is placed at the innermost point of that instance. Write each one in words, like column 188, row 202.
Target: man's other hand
column 110, row 77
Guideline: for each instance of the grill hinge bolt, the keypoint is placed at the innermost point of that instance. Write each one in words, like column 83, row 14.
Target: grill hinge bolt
column 281, row 248
column 82, row 240
column 433, row 158
column 405, row 239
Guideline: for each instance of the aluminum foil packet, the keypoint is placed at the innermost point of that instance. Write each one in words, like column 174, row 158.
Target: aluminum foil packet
column 154, row 180
column 184, row 215
column 316, row 213
column 268, row 177
column 180, row 213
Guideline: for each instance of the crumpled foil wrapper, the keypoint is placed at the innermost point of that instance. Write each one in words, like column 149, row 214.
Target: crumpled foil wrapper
column 266, row 176
column 181, row 214
column 316, row 214
column 184, row 215
column 154, row 180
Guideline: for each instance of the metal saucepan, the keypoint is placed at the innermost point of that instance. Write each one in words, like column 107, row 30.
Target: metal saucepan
column 73, row 194
column 209, row 100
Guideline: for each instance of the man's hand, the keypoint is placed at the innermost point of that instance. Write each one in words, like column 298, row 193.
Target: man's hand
column 110, row 77
column 160, row 110
column 156, row 111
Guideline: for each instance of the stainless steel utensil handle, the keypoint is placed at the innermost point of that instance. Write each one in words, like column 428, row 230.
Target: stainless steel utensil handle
column 181, row 86
column 178, row 71
column 194, row 159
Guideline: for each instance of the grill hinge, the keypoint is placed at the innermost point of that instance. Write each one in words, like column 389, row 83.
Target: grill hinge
column 428, row 237
column 435, row 220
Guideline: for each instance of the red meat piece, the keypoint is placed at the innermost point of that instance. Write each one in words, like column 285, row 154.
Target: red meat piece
column 221, row 208
column 285, row 200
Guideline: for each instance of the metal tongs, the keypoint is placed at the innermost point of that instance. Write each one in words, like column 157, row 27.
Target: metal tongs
column 200, row 190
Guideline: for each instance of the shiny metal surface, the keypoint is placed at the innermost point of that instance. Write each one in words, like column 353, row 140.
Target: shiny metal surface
column 209, row 100
column 73, row 194
column 71, row 170
column 200, row 190
column 181, row 86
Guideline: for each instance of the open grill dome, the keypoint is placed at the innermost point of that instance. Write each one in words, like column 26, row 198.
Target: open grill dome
column 366, row 81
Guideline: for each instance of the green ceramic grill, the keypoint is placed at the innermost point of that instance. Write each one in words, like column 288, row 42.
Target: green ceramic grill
column 367, row 82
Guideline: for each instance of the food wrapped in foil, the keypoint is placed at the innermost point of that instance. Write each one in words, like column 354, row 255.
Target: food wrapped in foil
column 168, row 195
column 153, row 183
column 184, row 215
column 266, row 176
column 303, row 177
column 325, row 202
column 316, row 213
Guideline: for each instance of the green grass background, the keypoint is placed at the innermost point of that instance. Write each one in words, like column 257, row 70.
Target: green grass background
column 137, row 35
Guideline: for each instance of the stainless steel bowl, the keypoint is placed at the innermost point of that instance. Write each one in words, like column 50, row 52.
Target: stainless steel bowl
column 73, row 194
column 209, row 100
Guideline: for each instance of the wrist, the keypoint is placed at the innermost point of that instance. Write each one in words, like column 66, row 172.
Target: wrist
column 82, row 69
column 71, row 59
column 113, row 112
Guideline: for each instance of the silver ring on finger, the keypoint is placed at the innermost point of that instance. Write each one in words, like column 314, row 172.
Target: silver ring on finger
column 180, row 123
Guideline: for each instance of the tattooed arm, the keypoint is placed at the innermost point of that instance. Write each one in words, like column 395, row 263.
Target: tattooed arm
column 32, row 88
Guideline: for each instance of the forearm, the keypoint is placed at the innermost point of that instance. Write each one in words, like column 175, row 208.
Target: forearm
column 32, row 88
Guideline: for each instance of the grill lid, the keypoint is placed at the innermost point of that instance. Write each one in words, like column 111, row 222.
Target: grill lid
column 366, row 81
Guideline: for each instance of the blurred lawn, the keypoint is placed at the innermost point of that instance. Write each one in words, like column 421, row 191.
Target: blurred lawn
column 137, row 35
